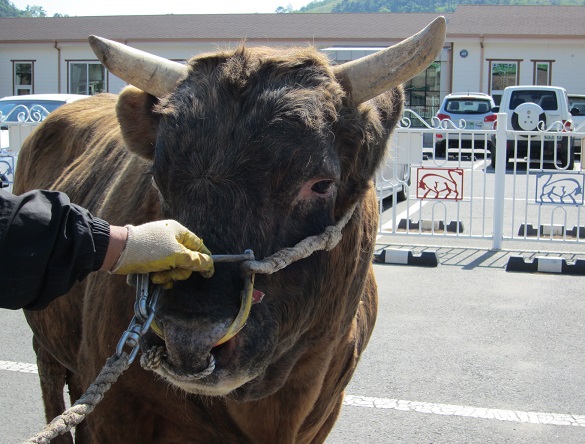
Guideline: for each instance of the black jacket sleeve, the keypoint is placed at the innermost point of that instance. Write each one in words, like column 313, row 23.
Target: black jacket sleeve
column 46, row 245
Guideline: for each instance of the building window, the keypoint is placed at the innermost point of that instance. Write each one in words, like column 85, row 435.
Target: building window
column 423, row 92
column 87, row 78
column 503, row 73
column 22, row 78
column 542, row 73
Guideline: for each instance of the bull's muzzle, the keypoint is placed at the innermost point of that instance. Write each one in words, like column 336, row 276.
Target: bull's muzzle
column 248, row 296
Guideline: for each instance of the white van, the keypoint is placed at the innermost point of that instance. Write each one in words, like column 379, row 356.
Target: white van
column 544, row 109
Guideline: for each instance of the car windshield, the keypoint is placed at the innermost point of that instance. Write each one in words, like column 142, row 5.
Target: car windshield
column 547, row 100
column 26, row 110
column 467, row 106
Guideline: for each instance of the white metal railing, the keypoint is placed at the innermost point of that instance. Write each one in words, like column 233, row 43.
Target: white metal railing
column 21, row 114
column 500, row 181
column 522, row 200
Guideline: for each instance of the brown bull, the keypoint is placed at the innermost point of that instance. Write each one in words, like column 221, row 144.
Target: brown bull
column 253, row 148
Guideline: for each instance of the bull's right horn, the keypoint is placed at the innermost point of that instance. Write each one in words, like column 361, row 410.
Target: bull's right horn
column 155, row 75
column 369, row 76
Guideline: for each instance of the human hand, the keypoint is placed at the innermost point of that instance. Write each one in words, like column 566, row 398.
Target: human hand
column 167, row 250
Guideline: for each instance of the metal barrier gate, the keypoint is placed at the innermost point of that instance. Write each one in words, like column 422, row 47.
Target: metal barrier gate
column 531, row 190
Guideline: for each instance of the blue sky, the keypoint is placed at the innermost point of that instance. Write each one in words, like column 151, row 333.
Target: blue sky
column 134, row 7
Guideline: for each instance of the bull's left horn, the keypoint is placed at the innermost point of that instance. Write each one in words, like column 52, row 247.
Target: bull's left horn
column 371, row 75
column 152, row 74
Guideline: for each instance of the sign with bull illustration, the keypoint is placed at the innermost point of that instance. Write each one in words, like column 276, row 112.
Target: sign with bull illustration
column 439, row 183
column 559, row 189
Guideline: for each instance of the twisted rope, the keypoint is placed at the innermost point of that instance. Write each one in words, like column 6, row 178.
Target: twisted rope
column 282, row 258
column 63, row 423
column 153, row 359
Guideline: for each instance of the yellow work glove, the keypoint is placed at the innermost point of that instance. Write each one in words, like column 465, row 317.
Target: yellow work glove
column 167, row 250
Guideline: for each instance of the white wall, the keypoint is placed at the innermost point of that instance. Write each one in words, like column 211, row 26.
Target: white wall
column 467, row 70
column 45, row 66
column 568, row 58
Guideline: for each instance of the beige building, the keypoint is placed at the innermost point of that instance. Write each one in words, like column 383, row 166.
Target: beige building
column 487, row 47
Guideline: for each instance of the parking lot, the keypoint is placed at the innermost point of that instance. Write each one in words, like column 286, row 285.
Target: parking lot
column 469, row 353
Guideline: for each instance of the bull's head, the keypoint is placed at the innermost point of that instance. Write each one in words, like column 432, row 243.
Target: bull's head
column 258, row 148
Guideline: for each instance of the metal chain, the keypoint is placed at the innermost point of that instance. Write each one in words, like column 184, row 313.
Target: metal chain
column 144, row 311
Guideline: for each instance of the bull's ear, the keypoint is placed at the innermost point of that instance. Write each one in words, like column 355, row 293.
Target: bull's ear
column 137, row 120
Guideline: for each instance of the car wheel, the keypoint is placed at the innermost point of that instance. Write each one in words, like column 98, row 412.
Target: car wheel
column 526, row 117
column 492, row 150
column 402, row 195
column 441, row 149
column 567, row 154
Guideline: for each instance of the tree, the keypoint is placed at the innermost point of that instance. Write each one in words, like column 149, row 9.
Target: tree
column 34, row 11
column 284, row 9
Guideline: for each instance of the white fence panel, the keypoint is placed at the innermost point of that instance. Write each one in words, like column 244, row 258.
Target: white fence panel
column 495, row 185
column 17, row 133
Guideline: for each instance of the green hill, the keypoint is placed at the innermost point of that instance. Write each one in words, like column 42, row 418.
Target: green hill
column 320, row 6
column 353, row 6
column 7, row 9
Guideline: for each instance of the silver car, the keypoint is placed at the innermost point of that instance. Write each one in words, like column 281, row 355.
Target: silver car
column 465, row 111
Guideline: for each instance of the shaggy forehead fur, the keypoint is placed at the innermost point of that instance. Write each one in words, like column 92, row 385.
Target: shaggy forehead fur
column 283, row 85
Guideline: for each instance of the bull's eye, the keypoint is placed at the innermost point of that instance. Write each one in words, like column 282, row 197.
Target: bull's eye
column 323, row 186
column 320, row 188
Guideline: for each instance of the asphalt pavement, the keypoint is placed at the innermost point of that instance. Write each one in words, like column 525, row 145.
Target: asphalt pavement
column 468, row 353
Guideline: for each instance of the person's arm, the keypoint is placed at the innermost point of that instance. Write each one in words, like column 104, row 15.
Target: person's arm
column 118, row 237
column 46, row 245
